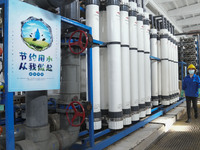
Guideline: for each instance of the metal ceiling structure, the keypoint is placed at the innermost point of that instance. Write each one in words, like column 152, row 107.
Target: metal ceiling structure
column 184, row 14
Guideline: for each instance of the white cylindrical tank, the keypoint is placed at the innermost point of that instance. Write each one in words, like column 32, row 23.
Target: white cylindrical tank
column 154, row 67
column 170, row 66
column 172, row 69
column 92, row 20
column 103, row 62
column 126, row 93
column 164, row 66
column 133, row 60
column 147, row 64
column 141, row 78
column 114, row 66
column 176, row 69
column 159, row 68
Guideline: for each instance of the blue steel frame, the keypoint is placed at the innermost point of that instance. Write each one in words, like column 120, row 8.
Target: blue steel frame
column 197, row 43
column 182, row 65
column 9, row 107
column 10, row 141
column 155, row 58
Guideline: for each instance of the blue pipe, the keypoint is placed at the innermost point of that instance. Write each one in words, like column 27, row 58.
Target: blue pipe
column 155, row 58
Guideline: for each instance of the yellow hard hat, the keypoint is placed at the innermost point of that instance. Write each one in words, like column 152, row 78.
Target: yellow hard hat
column 191, row 66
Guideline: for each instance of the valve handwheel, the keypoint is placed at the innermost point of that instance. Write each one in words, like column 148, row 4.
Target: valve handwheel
column 1, row 130
column 1, row 51
column 79, row 43
column 76, row 114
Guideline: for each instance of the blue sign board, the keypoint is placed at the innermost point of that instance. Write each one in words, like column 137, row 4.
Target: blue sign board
column 34, row 48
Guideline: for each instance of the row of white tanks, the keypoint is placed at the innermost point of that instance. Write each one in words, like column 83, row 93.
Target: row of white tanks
column 165, row 89
column 122, row 68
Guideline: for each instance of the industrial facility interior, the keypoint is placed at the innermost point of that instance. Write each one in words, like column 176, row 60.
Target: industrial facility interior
column 97, row 74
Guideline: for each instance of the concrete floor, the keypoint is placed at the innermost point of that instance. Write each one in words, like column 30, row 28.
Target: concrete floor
column 181, row 136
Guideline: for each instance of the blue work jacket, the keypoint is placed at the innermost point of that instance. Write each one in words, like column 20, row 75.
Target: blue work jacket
column 191, row 85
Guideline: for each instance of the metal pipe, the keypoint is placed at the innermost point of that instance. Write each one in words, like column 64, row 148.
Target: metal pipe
column 152, row 21
column 36, row 109
column 142, row 3
column 19, row 132
column 155, row 23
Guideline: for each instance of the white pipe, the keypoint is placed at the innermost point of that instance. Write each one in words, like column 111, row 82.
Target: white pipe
column 103, row 63
column 170, row 66
column 141, row 62
column 126, row 93
column 92, row 20
column 177, row 73
column 172, row 69
column 159, row 68
column 154, row 67
column 147, row 66
column 134, row 61
column 164, row 67
column 114, row 68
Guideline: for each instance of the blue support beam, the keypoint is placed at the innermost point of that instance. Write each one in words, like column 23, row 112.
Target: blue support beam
column 182, row 65
column 90, row 93
column 98, row 42
column 97, row 135
column 82, row 9
column 105, row 143
column 9, row 107
column 2, row 2
column 173, row 106
column 75, row 23
column 155, row 58
column 156, row 108
column 83, row 133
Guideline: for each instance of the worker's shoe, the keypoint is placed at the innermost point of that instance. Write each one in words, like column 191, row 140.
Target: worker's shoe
column 188, row 121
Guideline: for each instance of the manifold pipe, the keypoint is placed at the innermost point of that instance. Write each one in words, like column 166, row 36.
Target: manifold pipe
column 61, row 139
column 133, row 60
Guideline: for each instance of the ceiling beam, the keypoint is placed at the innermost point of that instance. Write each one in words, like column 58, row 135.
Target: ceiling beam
column 192, row 28
column 164, row 1
column 187, row 10
column 161, row 11
column 189, row 21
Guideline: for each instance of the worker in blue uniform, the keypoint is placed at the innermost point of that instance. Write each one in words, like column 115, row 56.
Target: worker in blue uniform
column 191, row 85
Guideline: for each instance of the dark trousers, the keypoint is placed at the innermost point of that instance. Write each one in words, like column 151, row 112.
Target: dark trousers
column 194, row 103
